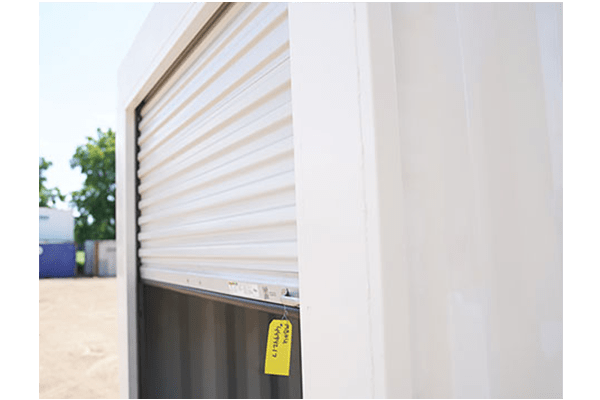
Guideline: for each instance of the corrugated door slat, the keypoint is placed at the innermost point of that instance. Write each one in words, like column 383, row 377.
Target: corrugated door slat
column 216, row 160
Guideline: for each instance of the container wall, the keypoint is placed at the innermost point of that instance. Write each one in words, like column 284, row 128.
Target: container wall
column 479, row 91
column 56, row 226
column 90, row 257
column 193, row 347
column 107, row 250
column 100, row 258
column 57, row 260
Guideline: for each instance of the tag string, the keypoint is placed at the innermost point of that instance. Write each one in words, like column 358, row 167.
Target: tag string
column 285, row 313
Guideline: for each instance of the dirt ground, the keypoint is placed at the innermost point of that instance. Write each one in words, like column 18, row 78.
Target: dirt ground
column 78, row 338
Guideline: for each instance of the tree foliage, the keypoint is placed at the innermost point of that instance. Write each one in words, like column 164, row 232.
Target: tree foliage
column 48, row 195
column 96, row 200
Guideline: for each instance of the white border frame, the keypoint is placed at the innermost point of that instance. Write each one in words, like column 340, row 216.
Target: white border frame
column 166, row 32
column 349, row 213
column 353, row 282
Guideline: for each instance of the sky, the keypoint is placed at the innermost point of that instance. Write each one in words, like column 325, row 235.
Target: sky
column 81, row 46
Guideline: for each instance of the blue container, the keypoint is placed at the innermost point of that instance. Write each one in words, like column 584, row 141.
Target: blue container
column 57, row 260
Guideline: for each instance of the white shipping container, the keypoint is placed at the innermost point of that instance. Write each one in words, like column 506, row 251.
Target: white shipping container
column 397, row 167
column 56, row 226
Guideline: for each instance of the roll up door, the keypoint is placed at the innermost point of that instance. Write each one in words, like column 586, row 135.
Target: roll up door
column 216, row 163
column 216, row 213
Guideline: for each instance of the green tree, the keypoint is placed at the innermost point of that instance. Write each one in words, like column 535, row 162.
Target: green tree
column 96, row 200
column 48, row 195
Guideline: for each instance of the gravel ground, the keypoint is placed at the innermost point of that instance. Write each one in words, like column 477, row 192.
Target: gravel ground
column 78, row 338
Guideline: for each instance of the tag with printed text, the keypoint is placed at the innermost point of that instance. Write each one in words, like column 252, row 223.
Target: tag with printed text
column 279, row 348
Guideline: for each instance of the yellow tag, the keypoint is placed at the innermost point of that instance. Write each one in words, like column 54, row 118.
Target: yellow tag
column 279, row 348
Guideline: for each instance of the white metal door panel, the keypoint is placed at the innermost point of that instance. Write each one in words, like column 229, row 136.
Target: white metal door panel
column 216, row 163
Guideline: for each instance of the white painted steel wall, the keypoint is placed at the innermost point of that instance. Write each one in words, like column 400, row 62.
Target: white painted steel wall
column 429, row 198
column 56, row 226
column 216, row 161
column 480, row 120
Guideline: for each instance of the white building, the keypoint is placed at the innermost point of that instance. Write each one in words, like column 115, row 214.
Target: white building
column 56, row 226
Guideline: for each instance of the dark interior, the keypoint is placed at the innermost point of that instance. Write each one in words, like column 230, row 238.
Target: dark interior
column 194, row 346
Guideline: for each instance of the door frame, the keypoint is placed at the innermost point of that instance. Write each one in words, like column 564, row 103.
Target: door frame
column 352, row 275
